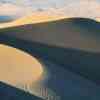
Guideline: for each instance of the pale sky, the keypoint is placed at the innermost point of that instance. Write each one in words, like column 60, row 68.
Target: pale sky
column 71, row 8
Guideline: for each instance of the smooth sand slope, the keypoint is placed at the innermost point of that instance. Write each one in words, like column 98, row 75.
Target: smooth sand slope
column 20, row 68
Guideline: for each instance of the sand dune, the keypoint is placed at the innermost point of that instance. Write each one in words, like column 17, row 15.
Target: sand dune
column 19, row 67
column 60, row 37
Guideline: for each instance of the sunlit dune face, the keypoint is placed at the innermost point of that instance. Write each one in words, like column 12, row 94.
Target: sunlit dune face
column 36, row 17
column 17, row 67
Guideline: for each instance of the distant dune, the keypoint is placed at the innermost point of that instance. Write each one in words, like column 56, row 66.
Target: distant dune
column 5, row 19
column 8, row 92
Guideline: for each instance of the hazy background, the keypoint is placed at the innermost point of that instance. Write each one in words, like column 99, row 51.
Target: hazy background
column 71, row 8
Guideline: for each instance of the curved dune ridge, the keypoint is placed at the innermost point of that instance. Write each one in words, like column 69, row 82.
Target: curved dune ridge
column 23, row 71
column 37, row 17
column 17, row 67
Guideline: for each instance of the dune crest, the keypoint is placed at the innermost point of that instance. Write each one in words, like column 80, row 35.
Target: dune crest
column 37, row 17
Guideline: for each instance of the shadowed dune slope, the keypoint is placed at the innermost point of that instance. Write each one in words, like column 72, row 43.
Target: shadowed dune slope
column 8, row 92
column 75, row 33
